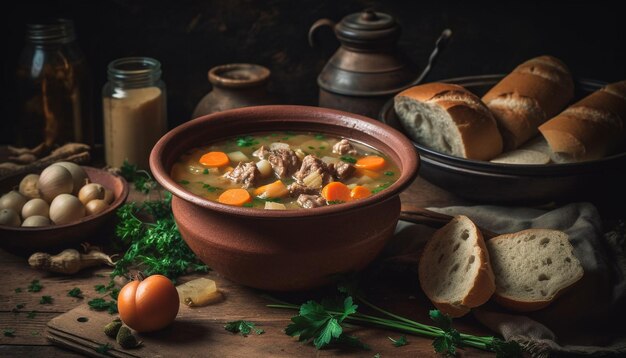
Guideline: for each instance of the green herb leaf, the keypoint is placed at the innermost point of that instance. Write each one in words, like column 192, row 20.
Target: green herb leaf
column 442, row 320
column 205, row 171
column 248, row 205
column 348, row 159
column 451, row 339
column 316, row 323
column 18, row 290
column 381, row 187
column 75, row 292
column 18, row 307
column 103, row 349
column 242, row 327
column 100, row 289
column 45, row 300
column 9, row 332
column 183, row 182
column 100, row 304
column 506, row 349
column 210, row 189
column 34, row 286
column 142, row 179
column 389, row 174
column 31, row 314
column 399, row 342
column 246, row 141
column 320, row 136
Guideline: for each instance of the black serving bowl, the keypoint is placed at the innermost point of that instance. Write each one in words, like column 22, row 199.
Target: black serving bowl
column 481, row 181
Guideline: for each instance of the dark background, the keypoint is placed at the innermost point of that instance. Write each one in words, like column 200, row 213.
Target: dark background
column 189, row 37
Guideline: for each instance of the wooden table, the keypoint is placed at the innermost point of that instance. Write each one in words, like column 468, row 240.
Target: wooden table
column 30, row 340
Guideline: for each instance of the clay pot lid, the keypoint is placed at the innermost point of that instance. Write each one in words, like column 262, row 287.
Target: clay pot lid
column 239, row 75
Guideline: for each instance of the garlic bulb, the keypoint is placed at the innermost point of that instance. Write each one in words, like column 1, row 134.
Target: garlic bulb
column 53, row 181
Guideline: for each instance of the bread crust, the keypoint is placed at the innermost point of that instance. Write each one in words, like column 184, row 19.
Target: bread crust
column 475, row 123
column 591, row 128
column 535, row 91
column 483, row 285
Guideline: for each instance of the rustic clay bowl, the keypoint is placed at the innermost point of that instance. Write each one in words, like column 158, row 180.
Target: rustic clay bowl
column 284, row 249
column 30, row 239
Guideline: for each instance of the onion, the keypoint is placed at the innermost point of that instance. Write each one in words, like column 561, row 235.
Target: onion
column 28, row 186
column 36, row 221
column 13, row 200
column 79, row 177
column 54, row 180
column 96, row 206
column 9, row 217
column 36, row 207
column 91, row 192
column 65, row 209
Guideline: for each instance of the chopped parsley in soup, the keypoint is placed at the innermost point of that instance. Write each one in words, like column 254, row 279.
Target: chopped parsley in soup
column 286, row 170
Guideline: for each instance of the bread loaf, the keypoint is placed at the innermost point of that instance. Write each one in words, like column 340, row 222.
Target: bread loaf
column 591, row 128
column 449, row 119
column 522, row 156
column 454, row 270
column 535, row 91
column 532, row 268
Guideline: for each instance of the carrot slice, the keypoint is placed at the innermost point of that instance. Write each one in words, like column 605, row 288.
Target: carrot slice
column 370, row 173
column 360, row 192
column 214, row 159
column 372, row 162
column 236, row 197
column 273, row 190
column 336, row 191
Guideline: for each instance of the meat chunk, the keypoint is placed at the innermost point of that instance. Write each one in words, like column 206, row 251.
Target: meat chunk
column 262, row 153
column 341, row 170
column 244, row 173
column 296, row 189
column 311, row 164
column 311, row 201
column 284, row 162
column 344, row 147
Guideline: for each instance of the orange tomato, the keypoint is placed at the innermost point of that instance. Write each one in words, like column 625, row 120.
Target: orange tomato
column 148, row 305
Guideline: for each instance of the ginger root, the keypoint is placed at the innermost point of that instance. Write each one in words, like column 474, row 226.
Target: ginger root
column 69, row 261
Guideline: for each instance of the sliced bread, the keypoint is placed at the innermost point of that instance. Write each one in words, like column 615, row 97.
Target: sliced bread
column 449, row 119
column 454, row 270
column 522, row 156
column 532, row 268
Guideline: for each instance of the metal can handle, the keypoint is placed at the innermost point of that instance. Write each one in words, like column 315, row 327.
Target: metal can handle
column 316, row 25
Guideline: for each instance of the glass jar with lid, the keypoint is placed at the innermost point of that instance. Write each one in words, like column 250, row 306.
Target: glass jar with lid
column 54, row 88
column 134, row 110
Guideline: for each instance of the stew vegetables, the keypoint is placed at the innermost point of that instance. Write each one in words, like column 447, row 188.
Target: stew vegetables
column 286, row 170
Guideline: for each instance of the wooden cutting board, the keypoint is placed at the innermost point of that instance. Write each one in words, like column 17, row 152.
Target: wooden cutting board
column 199, row 332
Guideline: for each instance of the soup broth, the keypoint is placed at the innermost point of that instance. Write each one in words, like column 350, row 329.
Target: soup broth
column 285, row 170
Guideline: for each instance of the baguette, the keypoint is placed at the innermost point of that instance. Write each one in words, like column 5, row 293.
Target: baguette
column 454, row 270
column 535, row 91
column 449, row 119
column 591, row 128
column 522, row 156
column 532, row 268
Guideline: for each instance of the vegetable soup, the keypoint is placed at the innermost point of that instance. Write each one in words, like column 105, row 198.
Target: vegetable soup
column 285, row 170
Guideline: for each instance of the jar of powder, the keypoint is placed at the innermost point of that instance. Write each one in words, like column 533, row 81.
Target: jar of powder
column 134, row 110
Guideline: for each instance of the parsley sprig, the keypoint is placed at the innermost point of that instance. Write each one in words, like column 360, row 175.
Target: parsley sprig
column 154, row 246
column 321, row 323
column 243, row 327
column 140, row 178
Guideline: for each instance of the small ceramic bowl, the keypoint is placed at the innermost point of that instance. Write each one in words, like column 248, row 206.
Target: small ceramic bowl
column 30, row 239
column 285, row 250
